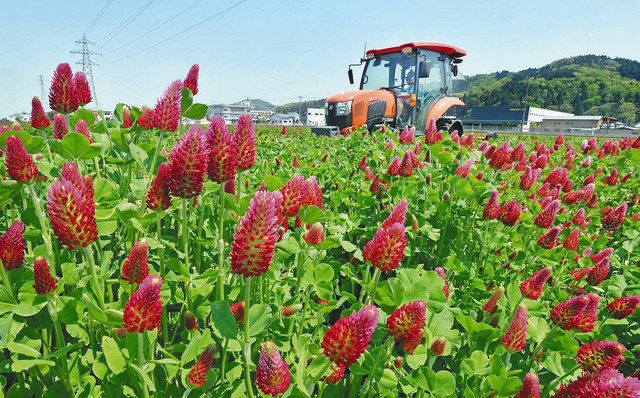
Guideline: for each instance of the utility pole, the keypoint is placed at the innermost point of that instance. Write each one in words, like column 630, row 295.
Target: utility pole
column 524, row 110
column 43, row 99
column 300, row 108
column 87, row 63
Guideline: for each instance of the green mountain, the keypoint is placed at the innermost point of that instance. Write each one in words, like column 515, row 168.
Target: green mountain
column 259, row 104
column 584, row 85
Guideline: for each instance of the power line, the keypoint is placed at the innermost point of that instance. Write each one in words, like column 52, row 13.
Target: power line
column 98, row 17
column 87, row 63
column 159, row 26
column 182, row 31
column 126, row 23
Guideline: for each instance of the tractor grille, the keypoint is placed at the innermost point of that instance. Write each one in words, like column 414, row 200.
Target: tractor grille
column 333, row 120
column 375, row 111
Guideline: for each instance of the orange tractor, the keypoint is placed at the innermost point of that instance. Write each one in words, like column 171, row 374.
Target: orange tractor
column 406, row 85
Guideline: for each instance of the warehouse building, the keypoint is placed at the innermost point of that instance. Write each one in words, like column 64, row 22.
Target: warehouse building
column 315, row 116
column 589, row 124
column 507, row 118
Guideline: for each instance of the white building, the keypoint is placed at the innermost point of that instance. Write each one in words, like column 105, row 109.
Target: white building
column 537, row 115
column 315, row 117
column 230, row 112
column 285, row 119
column 20, row 117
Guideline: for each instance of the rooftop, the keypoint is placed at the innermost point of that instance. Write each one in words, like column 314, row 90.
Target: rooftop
column 453, row 51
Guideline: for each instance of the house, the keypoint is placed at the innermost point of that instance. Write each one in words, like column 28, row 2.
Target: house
column 229, row 112
column 285, row 119
column 315, row 117
column 576, row 123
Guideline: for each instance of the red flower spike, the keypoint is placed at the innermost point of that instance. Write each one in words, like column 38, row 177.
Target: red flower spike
column 375, row 184
column 144, row 308
column 190, row 321
column 547, row 216
column 188, row 159
column 245, row 137
column 611, row 218
column 599, row 272
column 368, row 174
column 272, row 373
column 579, row 218
column 394, row 167
column 136, row 267
column 443, row 275
column 576, row 313
column 491, row 305
column 237, row 309
column 608, row 383
column 530, row 387
column 363, row 163
column 296, row 161
column 407, row 135
column 596, row 258
column 126, row 117
column 158, row 197
column 549, row 240
column 145, row 120
column 510, row 213
column 337, row 373
column 600, row 355
column 386, row 248
column 312, row 193
column 18, row 162
column 407, row 323
column 255, row 240
column 198, row 374
column 573, row 240
column 406, row 165
column 515, row 338
column 623, row 307
column 44, row 282
column 532, row 287
column 191, row 81
column 230, row 186
column 290, row 310
column 71, row 208
column 62, row 94
column 464, row 169
column 12, row 247
column 438, row 345
column 167, row 111
column 314, row 235
column 491, row 209
column 83, row 128
column 81, row 87
column 349, row 337
column 397, row 215
column 59, row 126
column 292, row 196
column 223, row 152
column 39, row 119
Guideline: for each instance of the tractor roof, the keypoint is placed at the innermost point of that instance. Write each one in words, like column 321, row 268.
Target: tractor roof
column 452, row 51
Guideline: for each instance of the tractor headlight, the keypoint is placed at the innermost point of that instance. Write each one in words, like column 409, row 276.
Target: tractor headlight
column 343, row 108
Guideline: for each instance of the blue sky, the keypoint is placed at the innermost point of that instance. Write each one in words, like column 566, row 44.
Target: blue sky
column 280, row 49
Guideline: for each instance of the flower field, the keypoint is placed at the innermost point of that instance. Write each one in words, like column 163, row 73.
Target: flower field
column 143, row 256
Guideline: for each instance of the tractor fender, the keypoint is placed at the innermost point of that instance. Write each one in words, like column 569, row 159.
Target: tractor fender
column 441, row 107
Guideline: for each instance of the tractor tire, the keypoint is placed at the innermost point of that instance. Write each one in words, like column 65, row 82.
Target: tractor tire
column 456, row 126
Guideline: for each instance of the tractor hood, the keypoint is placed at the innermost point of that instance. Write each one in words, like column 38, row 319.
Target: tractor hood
column 366, row 106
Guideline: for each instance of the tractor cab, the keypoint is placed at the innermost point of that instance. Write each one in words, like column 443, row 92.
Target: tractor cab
column 404, row 85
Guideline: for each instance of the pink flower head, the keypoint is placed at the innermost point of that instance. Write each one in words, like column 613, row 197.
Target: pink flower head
column 510, row 213
column 12, row 247
column 532, row 287
column 143, row 310
column 407, row 323
column 549, row 240
column 223, row 152
column 39, row 119
column 254, row 242
column 145, row 120
column 515, row 338
column 167, row 110
column 443, row 275
column 394, row 167
column 272, row 373
column 530, row 387
column 188, row 159
column 292, row 192
column 386, row 248
column 623, row 307
column 83, row 128
column 406, row 165
column 81, row 86
column 464, row 169
column 59, row 126
column 19, row 163
column 71, row 208
column 600, row 355
column 314, row 235
column 158, row 197
column 136, row 267
column 44, row 282
column 578, row 313
column 191, row 81
column 397, row 215
column 547, row 216
column 491, row 209
column 612, row 218
column 349, row 337
column 62, row 94
column 198, row 374
column 245, row 137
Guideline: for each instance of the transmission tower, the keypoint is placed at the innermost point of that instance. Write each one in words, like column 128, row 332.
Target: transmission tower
column 87, row 64
column 43, row 99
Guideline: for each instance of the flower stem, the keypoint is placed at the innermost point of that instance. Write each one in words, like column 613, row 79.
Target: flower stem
column 321, row 373
column 165, row 332
column 247, row 343
column 376, row 278
column 5, row 279
column 60, row 344
column 152, row 167
column 141, row 359
column 43, row 227
column 185, row 248
column 94, row 277
column 557, row 381
column 221, row 277
column 239, row 184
